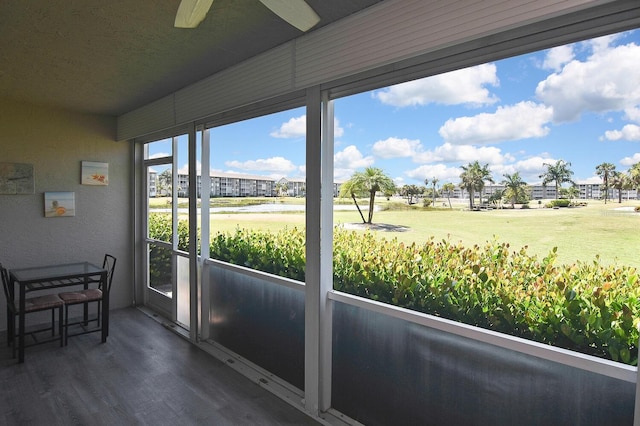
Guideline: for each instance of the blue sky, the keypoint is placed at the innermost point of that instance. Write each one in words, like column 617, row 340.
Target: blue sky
column 579, row 103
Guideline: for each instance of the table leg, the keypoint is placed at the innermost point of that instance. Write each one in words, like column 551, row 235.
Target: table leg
column 105, row 308
column 21, row 324
column 11, row 325
column 86, row 305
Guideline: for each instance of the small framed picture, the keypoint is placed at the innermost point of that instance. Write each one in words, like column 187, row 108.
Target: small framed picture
column 94, row 173
column 59, row 204
column 16, row 178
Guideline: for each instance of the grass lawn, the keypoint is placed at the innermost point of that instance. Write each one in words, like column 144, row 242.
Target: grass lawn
column 579, row 233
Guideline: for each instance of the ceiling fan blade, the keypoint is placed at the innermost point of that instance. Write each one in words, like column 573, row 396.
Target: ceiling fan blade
column 296, row 12
column 191, row 13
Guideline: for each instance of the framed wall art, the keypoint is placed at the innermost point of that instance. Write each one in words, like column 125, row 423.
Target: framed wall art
column 59, row 204
column 94, row 173
column 16, row 178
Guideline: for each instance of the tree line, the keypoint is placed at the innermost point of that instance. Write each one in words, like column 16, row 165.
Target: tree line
column 473, row 179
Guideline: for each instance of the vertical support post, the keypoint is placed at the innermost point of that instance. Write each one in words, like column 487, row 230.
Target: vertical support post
column 193, row 232
column 205, row 233
column 312, row 271
column 205, row 194
column 138, row 232
column 319, row 250
column 326, row 252
column 174, row 225
column 636, row 411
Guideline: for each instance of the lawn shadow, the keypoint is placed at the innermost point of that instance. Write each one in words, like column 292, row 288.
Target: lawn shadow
column 382, row 227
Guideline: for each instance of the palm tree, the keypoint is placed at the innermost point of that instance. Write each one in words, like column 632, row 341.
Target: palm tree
column 282, row 189
column 349, row 188
column 514, row 186
column 634, row 175
column 472, row 179
column 485, row 176
column 448, row 188
column 570, row 193
column 409, row 191
column 620, row 181
column 558, row 173
column 605, row 171
column 434, row 182
column 496, row 197
column 165, row 183
column 370, row 181
column 468, row 182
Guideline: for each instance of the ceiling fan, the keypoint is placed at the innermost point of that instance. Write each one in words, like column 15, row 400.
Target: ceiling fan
column 296, row 12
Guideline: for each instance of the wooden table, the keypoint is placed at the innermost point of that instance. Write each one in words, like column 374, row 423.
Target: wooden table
column 48, row 277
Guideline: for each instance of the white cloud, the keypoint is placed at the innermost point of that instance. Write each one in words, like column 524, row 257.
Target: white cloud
column 530, row 169
column 589, row 181
column 296, row 127
column 439, row 171
column 273, row 164
column 602, row 83
column 399, row 181
column 630, row 132
column 184, row 170
column 396, row 147
column 600, row 44
column 160, row 155
column 450, row 153
column 342, row 175
column 464, row 86
column 347, row 161
column 520, row 121
column 632, row 114
column 557, row 57
column 533, row 164
column 351, row 158
column 630, row 161
column 337, row 130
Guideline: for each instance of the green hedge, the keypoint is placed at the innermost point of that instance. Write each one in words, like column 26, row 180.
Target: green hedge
column 587, row 307
column 562, row 202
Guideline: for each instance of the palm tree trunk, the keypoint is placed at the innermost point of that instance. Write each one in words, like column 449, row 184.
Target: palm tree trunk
column 372, row 197
column 358, row 207
column 449, row 199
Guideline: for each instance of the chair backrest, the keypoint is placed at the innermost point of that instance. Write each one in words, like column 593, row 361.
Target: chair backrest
column 5, row 285
column 109, row 263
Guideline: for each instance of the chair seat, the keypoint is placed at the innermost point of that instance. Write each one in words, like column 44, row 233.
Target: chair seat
column 72, row 297
column 81, row 296
column 92, row 294
column 42, row 302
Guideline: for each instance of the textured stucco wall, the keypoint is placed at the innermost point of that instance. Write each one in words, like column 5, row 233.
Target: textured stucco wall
column 56, row 142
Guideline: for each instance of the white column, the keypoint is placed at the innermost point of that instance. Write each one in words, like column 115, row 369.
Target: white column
column 636, row 411
column 205, row 239
column 326, row 253
column 319, row 233
column 193, row 232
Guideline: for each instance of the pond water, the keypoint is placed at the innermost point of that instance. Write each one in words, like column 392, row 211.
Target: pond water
column 267, row 208
column 276, row 207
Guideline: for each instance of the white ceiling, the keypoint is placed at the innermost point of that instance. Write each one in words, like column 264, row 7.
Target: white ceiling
column 110, row 57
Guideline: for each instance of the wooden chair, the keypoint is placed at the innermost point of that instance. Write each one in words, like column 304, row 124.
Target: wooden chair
column 31, row 304
column 86, row 296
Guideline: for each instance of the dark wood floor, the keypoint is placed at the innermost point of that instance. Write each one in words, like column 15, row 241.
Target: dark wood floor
column 144, row 375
